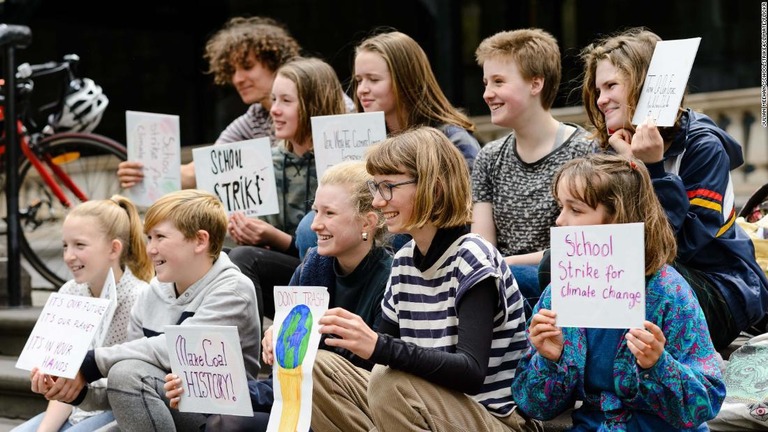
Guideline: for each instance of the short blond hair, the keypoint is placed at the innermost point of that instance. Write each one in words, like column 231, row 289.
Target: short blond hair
column 443, row 190
column 534, row 51
column 190, row 211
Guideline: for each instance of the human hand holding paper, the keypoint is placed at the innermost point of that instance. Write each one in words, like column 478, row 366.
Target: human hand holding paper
column 352, row 333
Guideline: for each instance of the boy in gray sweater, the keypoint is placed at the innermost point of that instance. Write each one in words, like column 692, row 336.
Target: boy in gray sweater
column 194, row 284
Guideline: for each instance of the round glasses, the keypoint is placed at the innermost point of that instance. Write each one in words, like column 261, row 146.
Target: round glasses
column 385, row 189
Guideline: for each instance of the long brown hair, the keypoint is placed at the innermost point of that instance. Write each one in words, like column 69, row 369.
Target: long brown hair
column 318, row 89
column 418, row 97
column 624, row 187
column 630, row 52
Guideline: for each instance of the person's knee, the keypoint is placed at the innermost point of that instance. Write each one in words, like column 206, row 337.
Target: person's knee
column 124, row 374
column 384, row 383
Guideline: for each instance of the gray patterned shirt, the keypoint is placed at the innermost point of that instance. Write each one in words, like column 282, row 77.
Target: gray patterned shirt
column 520, row 192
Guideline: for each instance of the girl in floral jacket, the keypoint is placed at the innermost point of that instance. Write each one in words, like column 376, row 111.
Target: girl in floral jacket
column 663, row 377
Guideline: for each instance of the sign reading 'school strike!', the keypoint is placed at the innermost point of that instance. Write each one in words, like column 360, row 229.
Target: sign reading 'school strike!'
column 598, row 275
column 241, row 174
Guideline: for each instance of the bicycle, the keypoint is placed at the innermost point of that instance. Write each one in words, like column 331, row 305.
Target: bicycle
column 62, row 162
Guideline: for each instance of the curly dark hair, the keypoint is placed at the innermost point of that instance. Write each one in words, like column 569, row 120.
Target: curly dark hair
column 264, row 38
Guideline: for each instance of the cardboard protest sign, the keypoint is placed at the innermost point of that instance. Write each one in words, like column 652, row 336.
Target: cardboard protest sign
column 665, row 81
column 241, row 174
column 209, row 361
column 598, row 275
column 62, row 334
column 108, row 292
column 296, row 339
column 153, row 140
column 343, row 137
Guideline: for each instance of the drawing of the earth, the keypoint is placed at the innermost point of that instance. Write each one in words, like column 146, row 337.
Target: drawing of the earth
column 293, row 338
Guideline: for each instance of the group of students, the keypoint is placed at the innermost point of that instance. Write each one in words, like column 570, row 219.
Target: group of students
column 454, row 330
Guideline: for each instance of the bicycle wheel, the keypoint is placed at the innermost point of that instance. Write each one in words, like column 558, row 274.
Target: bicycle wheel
column 90, row 160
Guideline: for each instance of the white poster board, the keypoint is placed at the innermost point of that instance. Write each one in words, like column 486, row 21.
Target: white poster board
column 345, row 137
column 109, row 293
column 296, row 339
column 241, row 174
column 62, row 334
column 665, row 82
column 154, row 140
column 598, row 275
column 209, row 361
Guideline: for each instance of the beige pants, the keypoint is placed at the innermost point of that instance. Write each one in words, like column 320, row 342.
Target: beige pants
column 347, row 398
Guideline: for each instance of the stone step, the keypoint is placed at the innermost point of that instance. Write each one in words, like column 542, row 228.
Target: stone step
column 16, row 324
column 17, row 401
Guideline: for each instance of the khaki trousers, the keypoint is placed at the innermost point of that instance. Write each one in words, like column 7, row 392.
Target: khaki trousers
column 347, row 398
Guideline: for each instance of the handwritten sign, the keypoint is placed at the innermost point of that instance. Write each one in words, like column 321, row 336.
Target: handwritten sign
column 598, row 275
column 241, row 174
column 153, row 140
column 296, row 339
column 345, row 137
column 209, row 361
column 62, row 334
column 666, row 80
column 109, row 293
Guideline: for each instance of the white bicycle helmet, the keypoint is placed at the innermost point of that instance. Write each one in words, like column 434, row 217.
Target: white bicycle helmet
column 82, row 109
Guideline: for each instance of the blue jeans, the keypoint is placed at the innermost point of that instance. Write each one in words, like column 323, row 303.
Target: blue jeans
column 86, row 425
column 305, row 237
column 527, row 277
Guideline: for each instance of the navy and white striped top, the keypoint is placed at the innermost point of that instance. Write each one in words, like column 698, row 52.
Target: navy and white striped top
column 423, row 305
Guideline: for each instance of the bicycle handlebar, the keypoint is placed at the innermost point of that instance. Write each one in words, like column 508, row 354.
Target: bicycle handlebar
column 26, row 70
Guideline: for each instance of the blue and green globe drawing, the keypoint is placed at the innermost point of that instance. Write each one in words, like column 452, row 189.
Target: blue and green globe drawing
column 293, row 338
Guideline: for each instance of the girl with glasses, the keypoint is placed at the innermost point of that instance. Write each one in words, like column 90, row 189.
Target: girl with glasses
column 452, row 325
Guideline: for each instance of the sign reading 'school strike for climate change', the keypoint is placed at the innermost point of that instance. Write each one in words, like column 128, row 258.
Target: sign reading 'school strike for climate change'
column 343, row 137
column 241, row 174
column 598, row 275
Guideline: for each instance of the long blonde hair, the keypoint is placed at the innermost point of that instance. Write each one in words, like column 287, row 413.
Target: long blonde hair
column 119, row 219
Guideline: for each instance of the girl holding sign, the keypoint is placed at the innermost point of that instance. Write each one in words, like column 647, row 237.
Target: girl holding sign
column 690, row 166
column 98, row 236
column 349, row 260
column 452, row 327
column 392, row 74
column 303, row 88
column 663, row 377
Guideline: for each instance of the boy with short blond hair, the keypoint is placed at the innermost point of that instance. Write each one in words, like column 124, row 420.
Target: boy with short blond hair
column 512, row 206
column 195, row 284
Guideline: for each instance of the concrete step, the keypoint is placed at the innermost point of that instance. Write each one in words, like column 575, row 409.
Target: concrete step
column 16, row 324
column 17, row 401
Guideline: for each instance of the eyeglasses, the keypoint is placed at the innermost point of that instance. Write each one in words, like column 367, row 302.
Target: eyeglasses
column 385, row 189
